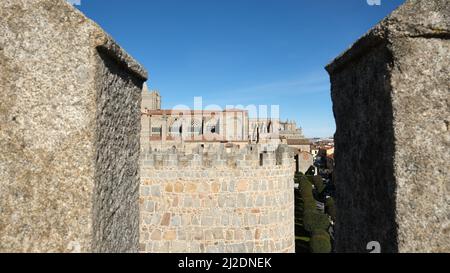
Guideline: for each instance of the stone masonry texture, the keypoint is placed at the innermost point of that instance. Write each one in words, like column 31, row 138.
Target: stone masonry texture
column 392, row 106
column 198, row 206
column 69, row 133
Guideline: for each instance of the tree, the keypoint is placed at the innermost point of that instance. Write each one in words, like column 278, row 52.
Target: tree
column 320, row 242
column 330, row 208
column 315, row 221
column 318, row 183
column 306, row 188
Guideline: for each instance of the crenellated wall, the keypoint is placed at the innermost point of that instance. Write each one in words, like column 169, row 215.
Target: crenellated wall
column 241, row 201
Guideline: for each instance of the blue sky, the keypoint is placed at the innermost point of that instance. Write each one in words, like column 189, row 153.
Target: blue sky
column 241, row 52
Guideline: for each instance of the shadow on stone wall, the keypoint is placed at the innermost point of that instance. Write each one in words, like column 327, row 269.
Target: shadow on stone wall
column 116, row 209
column 365, row 196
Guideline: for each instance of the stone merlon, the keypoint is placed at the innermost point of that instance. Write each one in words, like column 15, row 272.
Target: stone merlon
column 390, row 95
column 415, row 18
column 69, row 133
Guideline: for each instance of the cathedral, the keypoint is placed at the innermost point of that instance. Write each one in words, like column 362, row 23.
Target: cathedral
column 184, row 129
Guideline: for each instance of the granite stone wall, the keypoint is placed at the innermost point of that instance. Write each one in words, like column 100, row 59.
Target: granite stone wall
column 217, row 203
column 392, row 106
column 69, row 133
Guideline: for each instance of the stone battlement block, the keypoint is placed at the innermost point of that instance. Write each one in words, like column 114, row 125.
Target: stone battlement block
column 69, row 133
column 391, row 102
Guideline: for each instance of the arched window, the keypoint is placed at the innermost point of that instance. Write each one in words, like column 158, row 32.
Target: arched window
column 212, row 126
column 176, row 128
column 196, row 126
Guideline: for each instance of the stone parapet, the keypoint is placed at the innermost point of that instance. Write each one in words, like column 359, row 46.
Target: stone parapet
column 235, row 205
column 249, row 157
column 69, row 133
column 391, row 101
